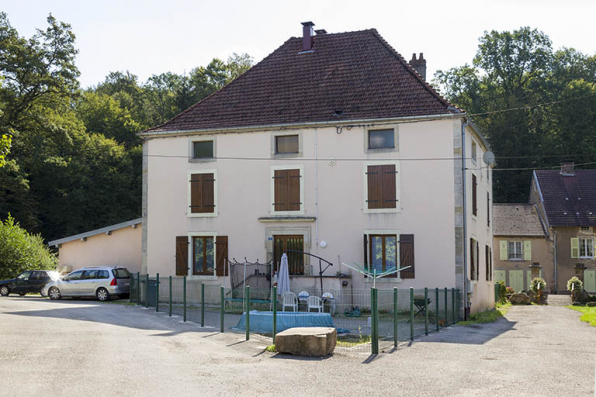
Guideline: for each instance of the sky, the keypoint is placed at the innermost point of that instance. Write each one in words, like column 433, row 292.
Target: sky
column 156, row 36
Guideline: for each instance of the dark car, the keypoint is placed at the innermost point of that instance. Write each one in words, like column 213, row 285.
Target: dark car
column 30, row 281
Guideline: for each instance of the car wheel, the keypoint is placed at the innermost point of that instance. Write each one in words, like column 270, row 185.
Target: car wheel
column 102, row 295
column 4, row 291
column 54, row 293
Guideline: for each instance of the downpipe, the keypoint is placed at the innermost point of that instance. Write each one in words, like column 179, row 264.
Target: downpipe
column 464, row 222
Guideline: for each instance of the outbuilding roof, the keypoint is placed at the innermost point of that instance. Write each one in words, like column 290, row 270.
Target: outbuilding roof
column 517, row 220
column 568, row 199
column 346, row 76
column 106, row 229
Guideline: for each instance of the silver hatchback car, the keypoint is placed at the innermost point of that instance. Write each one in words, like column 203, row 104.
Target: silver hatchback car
column 102, row 282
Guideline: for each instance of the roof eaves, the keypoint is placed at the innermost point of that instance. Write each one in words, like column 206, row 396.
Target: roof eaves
column 96, row 232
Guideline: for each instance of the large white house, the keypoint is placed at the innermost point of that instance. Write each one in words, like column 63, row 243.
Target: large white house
column 332, row 145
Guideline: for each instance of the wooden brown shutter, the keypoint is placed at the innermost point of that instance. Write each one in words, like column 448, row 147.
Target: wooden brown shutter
column 474, row 196
column 293, row 190
column 477, row 259
column 202, row 193
column 221, row 247
column 382, row 191
column 406, row 255
column 181, row 256
column 472, row 262
column 487, row 259
column 365, row 263
column 388, row 186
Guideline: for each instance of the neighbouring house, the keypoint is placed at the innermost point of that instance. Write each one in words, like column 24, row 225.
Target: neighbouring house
column 566, row 199
column 116, row 245
column 524, row 246
column 332, row 145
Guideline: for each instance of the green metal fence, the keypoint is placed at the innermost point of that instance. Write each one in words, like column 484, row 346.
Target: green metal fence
column 367, row 321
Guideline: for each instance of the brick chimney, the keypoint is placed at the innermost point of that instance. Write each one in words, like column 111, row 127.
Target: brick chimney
column 307, row 35
column 567, row 168
column 419, row 65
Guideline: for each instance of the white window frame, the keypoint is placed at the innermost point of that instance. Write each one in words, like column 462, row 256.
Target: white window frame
column 191, row 256
column 272, row 201
column 586, row 243
column 191, row 148
column 474, row 151
column 397, row 208
column 585, row 230
column 521, row 251
column 215, row 199
column 395, row 232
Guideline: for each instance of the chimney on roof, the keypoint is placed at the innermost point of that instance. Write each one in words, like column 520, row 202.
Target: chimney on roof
column 567, row 168
column 419, row 65
column 307, row 35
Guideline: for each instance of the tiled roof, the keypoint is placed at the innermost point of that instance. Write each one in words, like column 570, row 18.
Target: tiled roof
column 346, row 76
column 516, row 220
column 569, row 200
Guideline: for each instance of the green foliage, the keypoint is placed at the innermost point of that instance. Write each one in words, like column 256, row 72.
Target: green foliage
column 574, row 284
column 537, row 284
column 502, row 291
column 488, row 316
column 270, row 349
column 20, row 251
column 519, row 69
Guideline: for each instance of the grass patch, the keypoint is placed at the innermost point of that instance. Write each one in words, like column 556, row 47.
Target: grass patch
column 120, row 302
column 503, row 307
column 270, row 349
column 589, row 314
column 351, row 341
column 488, row 316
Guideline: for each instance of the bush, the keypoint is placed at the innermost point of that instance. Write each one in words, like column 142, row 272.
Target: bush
column 510, row 290
column 20, row 251
column 575, row 284
column 502, row 291
column 537, row 284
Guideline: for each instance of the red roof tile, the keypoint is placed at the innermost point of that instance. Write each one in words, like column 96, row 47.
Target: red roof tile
column 569, row 200
column 356, row 73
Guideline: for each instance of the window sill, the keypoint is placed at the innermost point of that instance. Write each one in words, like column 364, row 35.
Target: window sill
column 382, row 211
column 287, row 218
column 201, row 277
column 286, row 155
column 203, row 215
column 205, row 160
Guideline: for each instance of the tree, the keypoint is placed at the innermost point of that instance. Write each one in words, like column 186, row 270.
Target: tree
column 511, row 77
column 20, row 251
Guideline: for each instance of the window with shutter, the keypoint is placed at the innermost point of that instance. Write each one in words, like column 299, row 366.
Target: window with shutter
column 487, row 262
column 203, row 256
column 472, row 260
column 202, row 193
column 383, row 253
column 474, row 196
column 382, row 188
column 406, row 255
column 287, row 190
column 221, row 250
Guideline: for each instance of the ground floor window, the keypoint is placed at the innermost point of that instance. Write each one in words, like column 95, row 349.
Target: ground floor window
column 515, row 250
column 586, row 248
column 383, row 252
column 203, row 257
column 284, row 243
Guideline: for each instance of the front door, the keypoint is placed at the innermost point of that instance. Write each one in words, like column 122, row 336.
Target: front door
column 590, row 280
column 516, row 280
column 282, row 243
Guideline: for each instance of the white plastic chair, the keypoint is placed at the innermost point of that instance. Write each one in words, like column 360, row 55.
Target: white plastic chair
column 289, row 299
column 314, row 302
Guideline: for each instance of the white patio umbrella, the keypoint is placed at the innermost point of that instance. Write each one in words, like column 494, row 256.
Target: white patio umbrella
column 283, row 277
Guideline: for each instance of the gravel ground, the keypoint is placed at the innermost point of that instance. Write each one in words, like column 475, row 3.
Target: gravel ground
column 84, row 348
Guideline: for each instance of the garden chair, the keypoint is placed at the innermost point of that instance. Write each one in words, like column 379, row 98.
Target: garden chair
column 314, row 302
column 289, row 299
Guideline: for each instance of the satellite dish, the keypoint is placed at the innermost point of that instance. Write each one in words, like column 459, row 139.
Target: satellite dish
column 488, row 158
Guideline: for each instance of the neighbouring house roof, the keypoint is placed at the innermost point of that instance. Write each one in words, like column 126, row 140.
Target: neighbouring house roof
column 517, row 220
column 96, row 232
column 346, row 76
column 569, row 200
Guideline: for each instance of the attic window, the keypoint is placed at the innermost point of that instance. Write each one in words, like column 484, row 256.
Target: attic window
column 286, row 144
column 203, row 149
column 585, row 229
column 381, row 139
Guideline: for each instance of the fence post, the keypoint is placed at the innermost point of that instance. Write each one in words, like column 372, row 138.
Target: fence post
column 274, row 313
column 374, row 321
column 458, row 303
column 170, row 300
column 437, row 308
column 138, row 288
column 446, row 310
column 157, row 293
column 147, row 290
column 132, row 282
column 184, row 299
column 395, row 335
column 247, row 298
column 426, row 310
column 453, row 304
column 202, row 305
column 221, row 309
column 411, row 313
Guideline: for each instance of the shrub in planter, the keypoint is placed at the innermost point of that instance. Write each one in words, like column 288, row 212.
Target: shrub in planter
column 510, row 291
column 537, row 286
column 576, row 286
column 502, row 290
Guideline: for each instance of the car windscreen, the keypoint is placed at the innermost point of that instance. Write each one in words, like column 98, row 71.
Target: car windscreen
column 121, row 273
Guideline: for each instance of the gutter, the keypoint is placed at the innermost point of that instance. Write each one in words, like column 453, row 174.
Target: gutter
column 265, row 127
